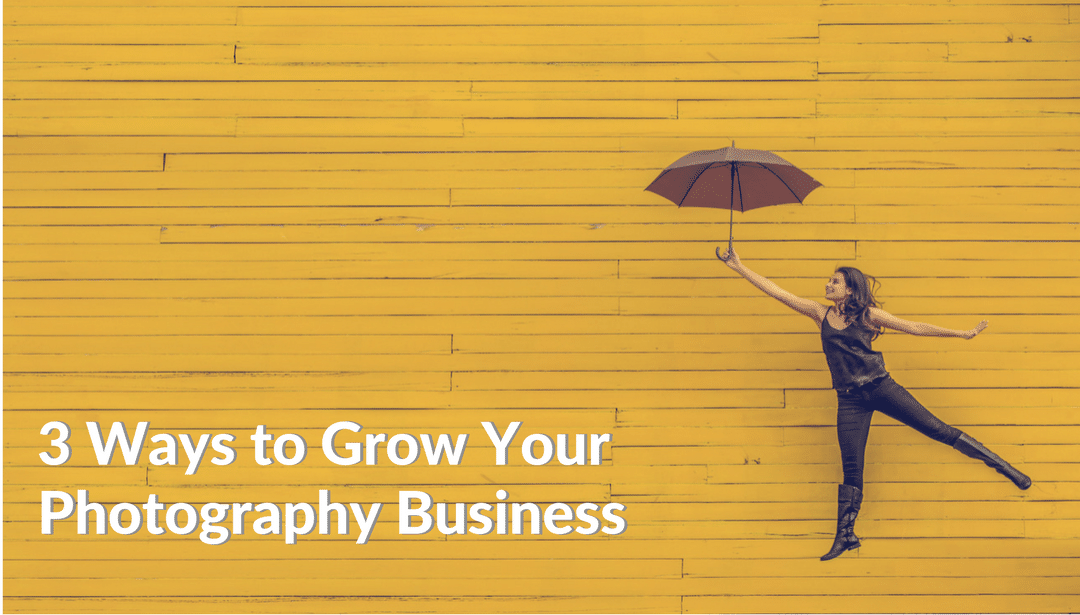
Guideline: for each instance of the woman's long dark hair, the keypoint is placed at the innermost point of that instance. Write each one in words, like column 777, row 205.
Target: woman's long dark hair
column 856, row 308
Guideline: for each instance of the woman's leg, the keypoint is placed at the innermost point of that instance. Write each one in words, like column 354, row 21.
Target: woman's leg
column 896, row 402
column 852, row 428
column 853, row 416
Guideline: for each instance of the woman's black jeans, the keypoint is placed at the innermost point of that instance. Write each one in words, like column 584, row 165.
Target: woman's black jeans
column 856, row 407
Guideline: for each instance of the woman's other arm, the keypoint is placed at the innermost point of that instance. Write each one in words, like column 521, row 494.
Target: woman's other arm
column 881, row 318
column 806, row 307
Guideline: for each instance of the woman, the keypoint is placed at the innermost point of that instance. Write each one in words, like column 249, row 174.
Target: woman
column 862, row 385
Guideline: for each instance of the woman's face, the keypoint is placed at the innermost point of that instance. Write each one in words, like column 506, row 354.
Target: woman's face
column 836, row 288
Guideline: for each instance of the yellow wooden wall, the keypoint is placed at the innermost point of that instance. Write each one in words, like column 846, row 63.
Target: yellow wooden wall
column 422, row 217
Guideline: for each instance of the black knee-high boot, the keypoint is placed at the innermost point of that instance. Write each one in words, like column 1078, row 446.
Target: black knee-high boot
column 848, row 503
column 972, row 448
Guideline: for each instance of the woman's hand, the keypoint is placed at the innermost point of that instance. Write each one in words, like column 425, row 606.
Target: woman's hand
column 977, row 330
column 730, row 258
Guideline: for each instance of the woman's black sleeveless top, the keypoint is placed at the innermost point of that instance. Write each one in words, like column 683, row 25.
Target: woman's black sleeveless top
column 852, row 361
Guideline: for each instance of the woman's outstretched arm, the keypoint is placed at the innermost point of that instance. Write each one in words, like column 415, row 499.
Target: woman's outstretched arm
column 881, row 318
column 806, row 307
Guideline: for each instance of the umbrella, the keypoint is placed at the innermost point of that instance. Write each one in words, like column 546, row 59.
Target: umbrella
column 734, row 179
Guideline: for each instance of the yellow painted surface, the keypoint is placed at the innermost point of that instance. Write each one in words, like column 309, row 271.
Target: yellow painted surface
column 421, row 217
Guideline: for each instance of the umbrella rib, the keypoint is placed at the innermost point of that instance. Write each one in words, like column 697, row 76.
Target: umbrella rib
column 694, row 181
column 781, row 181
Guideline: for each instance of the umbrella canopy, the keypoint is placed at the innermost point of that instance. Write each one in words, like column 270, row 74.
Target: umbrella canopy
column 732, row 178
